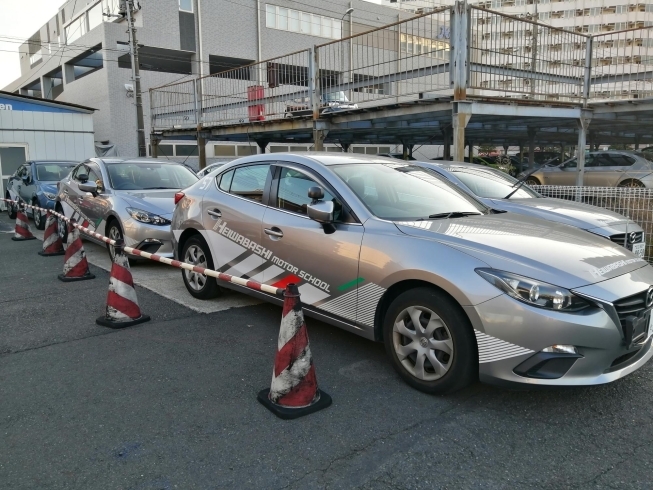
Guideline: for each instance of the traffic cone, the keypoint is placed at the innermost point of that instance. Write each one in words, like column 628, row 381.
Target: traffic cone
column 122, row 304
column 23, row 231
column 293, row 392
column 75, row 267
column 51, row 240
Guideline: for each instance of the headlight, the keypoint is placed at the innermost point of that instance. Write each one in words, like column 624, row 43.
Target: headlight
column 532, row 292
column 145, row 217
column 50, row 196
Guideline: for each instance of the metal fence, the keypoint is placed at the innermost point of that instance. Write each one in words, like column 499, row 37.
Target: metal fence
column 502, row 55
column 622, row 64
column 632, row 202
column 518, row 57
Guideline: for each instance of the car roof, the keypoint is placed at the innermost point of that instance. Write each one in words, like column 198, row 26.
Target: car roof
column 320, row 157
column 451, row 163
column 137, row 160
column 40, row 162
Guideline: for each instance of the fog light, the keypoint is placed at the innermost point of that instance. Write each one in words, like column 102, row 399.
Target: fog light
column 561, row 349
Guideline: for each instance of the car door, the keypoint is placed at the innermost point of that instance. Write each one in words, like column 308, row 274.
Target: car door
column 70, row 192
column 567, row 173
column 614, row 168
column 232, row 212
column 28, row 183
column 94, row 208
column 323, row 262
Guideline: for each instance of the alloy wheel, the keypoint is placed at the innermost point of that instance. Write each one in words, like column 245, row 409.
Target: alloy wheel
column 423, row 343
column 37, row 218
column 114, row 234
column 195, row 255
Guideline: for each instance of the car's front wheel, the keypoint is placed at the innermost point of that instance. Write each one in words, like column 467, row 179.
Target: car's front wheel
column 532, row 181
column 430, row 341
column 114, row 231
column 196, row 252
column 39, row 220
column 62, row 226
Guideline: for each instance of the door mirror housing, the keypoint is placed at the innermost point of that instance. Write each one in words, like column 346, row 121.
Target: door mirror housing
column 83, row 178
column 89, row 187
column 321, row 211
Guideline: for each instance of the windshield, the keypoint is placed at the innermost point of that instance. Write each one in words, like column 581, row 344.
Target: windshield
column 489, row 183
column 400, row 192
column 146, row 175
column 52, row 172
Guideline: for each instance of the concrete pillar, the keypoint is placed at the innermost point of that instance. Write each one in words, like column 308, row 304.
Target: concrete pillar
column 446, row 155
column 470, row 151
column 505, row 149
column 459, row 121
column 583, row 125
column 318, row 139
column 345, row 147
column 154, row 147
column 262, row 145
column 404, row 152
column 521, row 152
column 410, row 150
column 562, row 153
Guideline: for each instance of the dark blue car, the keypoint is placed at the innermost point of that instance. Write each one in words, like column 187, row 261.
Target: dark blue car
column 35, row 183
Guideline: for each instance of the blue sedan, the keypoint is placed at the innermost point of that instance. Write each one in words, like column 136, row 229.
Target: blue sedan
column 35, row 182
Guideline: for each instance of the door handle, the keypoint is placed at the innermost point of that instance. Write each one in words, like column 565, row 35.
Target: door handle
column 214, row 213
column 274, row 231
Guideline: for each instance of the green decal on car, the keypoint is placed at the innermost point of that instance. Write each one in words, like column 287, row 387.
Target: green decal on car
column 350, row 284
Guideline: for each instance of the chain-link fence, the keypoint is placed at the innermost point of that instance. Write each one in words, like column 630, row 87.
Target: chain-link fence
column 635, row 203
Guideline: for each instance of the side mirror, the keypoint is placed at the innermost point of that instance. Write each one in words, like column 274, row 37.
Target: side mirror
column 89, row 187
column 83, row 178
column 321, row 211
column 315, row 193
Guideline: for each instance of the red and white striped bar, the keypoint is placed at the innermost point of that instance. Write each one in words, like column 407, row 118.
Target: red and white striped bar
column 257, row 286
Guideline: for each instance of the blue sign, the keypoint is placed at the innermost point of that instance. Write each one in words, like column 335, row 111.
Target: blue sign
column 7, row 104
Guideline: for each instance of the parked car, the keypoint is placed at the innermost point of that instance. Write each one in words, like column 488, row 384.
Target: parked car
column 396, row 253
column 609, row 168
column 209, row 168
column 129, row 199
column 498, row 190
column 35, row 182
column 329, row 103
column 398, row 156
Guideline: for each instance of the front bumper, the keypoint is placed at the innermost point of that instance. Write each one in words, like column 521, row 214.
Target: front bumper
column 149, row 238
column 510, row 332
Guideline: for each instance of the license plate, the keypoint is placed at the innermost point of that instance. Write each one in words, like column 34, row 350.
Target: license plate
column 639, row 249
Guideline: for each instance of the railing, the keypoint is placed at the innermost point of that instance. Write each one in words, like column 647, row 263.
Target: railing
column 451, row 51
column 622, row 65
column 634, row 203
column 517, row 57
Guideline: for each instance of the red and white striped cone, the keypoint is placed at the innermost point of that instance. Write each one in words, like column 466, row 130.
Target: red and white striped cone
column 23, row 231
column 75, row 267
column 51, row 240
column 122, row 304
column 293, row 392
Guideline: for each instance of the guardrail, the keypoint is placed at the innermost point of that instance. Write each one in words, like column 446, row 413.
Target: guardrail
column 635, row 203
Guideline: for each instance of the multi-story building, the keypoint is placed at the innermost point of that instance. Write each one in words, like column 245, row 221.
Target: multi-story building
column 82, row 55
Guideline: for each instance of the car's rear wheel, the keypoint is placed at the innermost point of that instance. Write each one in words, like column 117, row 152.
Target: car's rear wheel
column 39, row 221
column 11, row 208
column 430, row 341
column 632, row 183
column 532, row 181
column 196, row 252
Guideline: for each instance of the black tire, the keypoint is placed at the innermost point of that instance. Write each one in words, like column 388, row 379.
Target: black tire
column 62, row 226
column 632, row 183
column 532, row 181
column 113, row 231
column 199, row 286
column 11, row 209
column 39, row 219
column 462, row 363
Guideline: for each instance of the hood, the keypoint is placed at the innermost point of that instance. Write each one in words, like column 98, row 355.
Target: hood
column 48, row 187
column 161, row 202
column 584, row 216
column 539, row 249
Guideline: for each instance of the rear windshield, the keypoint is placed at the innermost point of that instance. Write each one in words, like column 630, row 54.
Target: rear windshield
column 53, row 172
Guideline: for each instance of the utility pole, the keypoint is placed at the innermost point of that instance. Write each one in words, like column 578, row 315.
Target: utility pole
column 130, row 10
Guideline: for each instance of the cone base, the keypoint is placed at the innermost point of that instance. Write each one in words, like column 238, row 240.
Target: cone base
column 53, row 254
column 104, row 322
column 287, row 413
column 22, row 239
column 73, row 279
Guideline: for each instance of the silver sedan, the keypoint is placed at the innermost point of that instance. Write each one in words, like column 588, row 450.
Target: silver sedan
column 499, row 190
column 395, row 253
column 125, row 199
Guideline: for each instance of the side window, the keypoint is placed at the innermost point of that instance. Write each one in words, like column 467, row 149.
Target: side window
column 249, row 182
column 293, row 192
column 621, row 160
column 21, row 172
column 572, row 163
column 80, row 170
column 225, row 180
column 592, row 161
column 94, row 173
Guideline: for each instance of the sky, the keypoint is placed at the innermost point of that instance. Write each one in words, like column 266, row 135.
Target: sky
column 20, row 19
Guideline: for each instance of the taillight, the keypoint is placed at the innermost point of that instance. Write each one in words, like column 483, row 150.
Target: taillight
column 179, row 196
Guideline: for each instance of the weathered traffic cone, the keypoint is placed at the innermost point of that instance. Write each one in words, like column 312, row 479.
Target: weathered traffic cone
column 75, row 267
column 293, row 392
column 122, row 304
column 23, row 231
column 51, row 240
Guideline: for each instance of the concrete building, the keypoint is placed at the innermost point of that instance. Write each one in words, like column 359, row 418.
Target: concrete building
column 36, row 129
column 81, row 56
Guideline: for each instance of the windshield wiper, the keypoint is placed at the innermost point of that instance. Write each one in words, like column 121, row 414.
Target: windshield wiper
column 453, row 214
column 523, row 179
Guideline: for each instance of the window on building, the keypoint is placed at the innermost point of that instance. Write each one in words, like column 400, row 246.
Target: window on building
column 185, row 150
column 247, row 150
column 235, row 68
column 87, row 63
column 35, row 58
column 76, row 29
column 278, row 149
column 95, row 16
column 159, row 59
column 291, row 20
column 224, row 150
column 186, row 5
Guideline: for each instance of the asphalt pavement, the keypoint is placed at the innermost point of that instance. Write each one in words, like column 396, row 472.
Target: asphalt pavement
column 171, row 404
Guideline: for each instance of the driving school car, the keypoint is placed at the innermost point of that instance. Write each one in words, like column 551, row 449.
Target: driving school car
column 396, row 253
